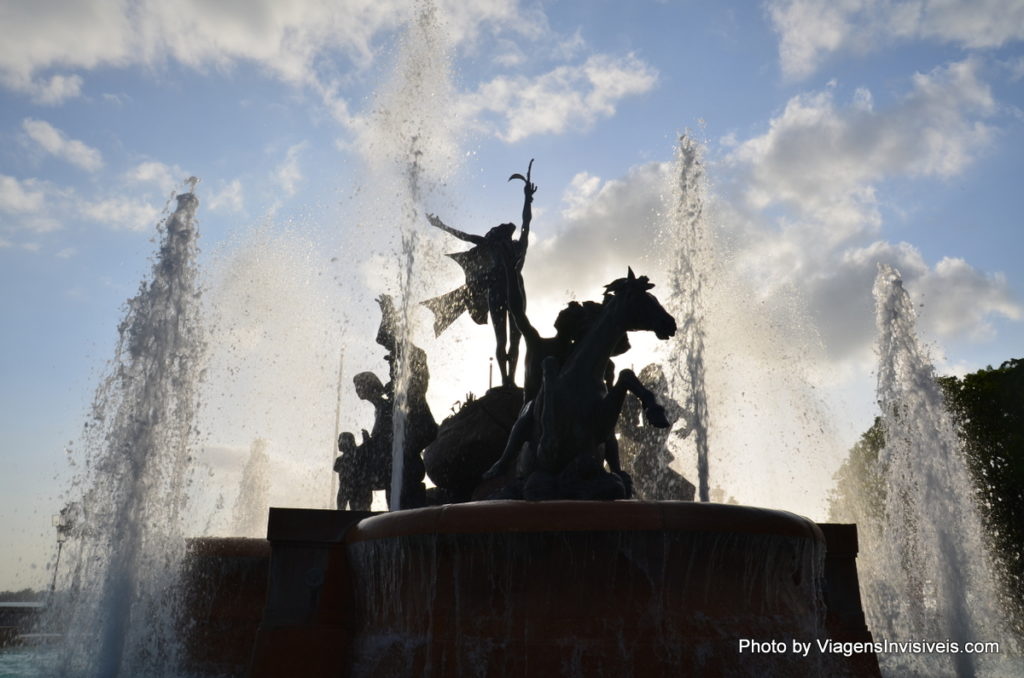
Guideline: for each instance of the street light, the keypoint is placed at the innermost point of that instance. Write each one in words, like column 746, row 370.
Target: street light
column 64, row 522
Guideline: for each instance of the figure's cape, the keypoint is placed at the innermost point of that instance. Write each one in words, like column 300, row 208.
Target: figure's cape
column 471, row 297
column 448, row 307
column 476, row 262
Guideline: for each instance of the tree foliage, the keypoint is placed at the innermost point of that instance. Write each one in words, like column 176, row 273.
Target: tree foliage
column 859, row 491
column 989, row 409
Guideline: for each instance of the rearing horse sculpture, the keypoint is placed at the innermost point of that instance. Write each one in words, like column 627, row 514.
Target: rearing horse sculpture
column 573, row 427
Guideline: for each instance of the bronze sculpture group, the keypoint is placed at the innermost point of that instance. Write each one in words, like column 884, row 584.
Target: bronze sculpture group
column 558, row 441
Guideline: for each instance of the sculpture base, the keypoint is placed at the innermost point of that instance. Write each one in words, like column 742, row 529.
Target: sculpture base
column 556, row 588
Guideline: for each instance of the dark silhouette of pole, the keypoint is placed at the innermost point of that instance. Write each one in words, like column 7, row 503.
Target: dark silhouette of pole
column 333, row 503
column 64, row 522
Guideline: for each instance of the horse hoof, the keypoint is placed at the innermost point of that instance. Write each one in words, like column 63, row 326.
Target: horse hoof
column 656, row 416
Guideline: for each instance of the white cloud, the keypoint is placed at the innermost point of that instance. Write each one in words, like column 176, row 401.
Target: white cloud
column 165, row 177
column 607, row 226
column 66, row 253
column 284, row 37
column 230, row 198
column 54, row 142
column 324, row 47
column 115, row 99
column 56, row 90
column 809, row 30
column 801, row 282
column 578, row 194
column 19, row 196
column 292, row 41
column 957, row 301
column 823, row 160
column 288, row 174
column 518, row 107
column 121, row 213
column 508, row 53
column 960, row 300
column 802, row 206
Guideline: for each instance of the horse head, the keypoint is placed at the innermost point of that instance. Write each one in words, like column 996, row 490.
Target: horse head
column 641, row 310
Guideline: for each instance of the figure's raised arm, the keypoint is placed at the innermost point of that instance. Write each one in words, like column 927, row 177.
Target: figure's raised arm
column 468, row 237
column 529, row 188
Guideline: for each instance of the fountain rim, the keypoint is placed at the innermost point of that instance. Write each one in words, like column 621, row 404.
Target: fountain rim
column 513, row 516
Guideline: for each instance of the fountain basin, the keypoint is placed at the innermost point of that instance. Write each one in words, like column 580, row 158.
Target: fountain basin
column 543, row 588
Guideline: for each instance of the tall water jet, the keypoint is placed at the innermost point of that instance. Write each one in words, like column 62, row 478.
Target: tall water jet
column 264, row 294
column 930, row 576
column 409, row 143
column 690, row 275
column 139, row 445
column 249, row 516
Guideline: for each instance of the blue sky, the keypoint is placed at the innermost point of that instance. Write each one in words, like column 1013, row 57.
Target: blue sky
column 836, row 136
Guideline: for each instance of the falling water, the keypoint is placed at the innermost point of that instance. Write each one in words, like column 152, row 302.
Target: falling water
column 410, row 144
column 934, row 580
column 249, row 517
column 689, row 278
column 138, row 454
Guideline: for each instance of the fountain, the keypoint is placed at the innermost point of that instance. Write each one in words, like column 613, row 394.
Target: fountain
column 122, row 604
column 689, row 277
column 502, row 587
column 247, row 518
column 928, row 570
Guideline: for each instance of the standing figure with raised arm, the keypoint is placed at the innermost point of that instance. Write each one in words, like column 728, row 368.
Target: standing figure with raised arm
column 486, row 288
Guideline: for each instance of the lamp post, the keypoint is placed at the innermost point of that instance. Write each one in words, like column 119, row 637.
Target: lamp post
column 333, row 502
column 64, row 522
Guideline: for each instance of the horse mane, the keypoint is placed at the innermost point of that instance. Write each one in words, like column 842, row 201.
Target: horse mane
column 629, row 282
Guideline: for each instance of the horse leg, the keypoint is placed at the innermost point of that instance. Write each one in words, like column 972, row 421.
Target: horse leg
column 653, row 411
column 519, row 435
column 611, row 455
column 607, row 416
column 547, row 455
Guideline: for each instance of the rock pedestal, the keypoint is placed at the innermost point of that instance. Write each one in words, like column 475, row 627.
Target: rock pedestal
column 470, row 441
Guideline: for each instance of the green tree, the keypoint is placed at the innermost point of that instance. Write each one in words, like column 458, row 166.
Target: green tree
column 989, row 409
column 859, row 491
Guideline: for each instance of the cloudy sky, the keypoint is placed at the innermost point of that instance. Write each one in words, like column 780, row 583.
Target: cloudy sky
column 834, row 136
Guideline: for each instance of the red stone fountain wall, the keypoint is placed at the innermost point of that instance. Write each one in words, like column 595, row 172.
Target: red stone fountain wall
column 556, row 588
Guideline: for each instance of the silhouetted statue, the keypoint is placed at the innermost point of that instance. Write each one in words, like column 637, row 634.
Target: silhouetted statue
column 645, row 455
column 486, row 289
column 570, row 430
column 367, row 467
column 420, row 427
column 355, row 492
column 572, row 324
